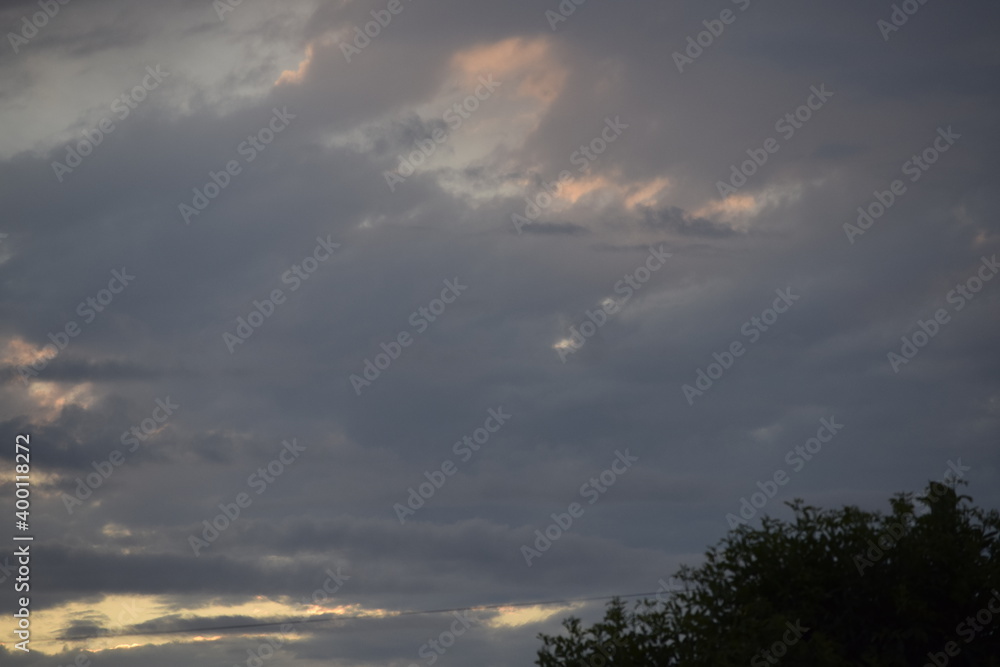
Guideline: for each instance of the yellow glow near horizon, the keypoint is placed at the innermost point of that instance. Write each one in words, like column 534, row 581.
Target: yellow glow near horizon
column 118, row 612
column 516, row 617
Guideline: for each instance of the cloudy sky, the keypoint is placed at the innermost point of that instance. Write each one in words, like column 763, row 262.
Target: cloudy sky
column 404, row 282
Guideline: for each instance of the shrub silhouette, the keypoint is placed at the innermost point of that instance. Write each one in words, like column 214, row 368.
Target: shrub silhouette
column 882, row 590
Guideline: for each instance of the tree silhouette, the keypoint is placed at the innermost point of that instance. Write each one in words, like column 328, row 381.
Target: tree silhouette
column 828, row 588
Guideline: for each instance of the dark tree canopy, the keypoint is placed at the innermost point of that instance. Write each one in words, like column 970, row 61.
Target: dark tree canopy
column 828, row 588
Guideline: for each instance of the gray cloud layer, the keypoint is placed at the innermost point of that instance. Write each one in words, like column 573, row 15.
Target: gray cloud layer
column 323, row 177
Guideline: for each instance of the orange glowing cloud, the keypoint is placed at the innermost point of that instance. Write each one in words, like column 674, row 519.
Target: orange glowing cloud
column 632, row 195
column 530, row 62
column 298, row 75
column 574, row 191
column 52, row 397
column 49, row 398
column 18, row 352
column 646, row 194
column 730, row 206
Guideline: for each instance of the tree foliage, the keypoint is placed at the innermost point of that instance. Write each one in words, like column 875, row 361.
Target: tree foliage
column 859, row 588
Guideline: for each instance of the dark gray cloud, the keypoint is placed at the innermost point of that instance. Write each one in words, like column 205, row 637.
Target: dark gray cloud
column 528, row 288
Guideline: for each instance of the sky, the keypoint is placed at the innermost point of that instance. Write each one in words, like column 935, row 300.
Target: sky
column 342, row 309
